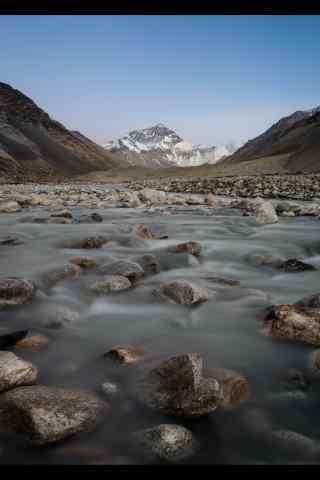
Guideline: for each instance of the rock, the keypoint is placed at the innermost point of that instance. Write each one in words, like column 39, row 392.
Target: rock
column 270, row 260
column 44, row 415
column 33, row 343
column 15, row 291
column 62, row 213
column 167, row 442
column 57, row 220
column 176, row 387
column 84, row 262
column 125, row 354
column 295, row 442
column 312, row 301
column 294, row 266
column 111, row 283
column 194, row 248
column 294, row 323
column 58, row 316
column 235, row 387
column 110, row 389
column 86, row 243
column 152, row 196
column 194, row 200
column 10, row 339
column 183, row 292
column 125, row 268
column 212, row 200
column 11, row 241
column 265, row 214
column 131, row 198
column 144, row 232
column 58, row 274
column 41, row 200
column 92, row 218
column 15, row 372
column 9, row 207
column 296, row 380
column 148, row 262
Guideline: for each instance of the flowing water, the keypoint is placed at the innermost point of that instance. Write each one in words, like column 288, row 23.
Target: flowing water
column 227, row 331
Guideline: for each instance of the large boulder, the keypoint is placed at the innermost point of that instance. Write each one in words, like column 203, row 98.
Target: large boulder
column 294, row 323
column 168, row 442
column 15, row 291
column 177, row 388
column 125, row 268
column 182, row 292
column 44, row 415
column 9, row 206
column 111, row 283
column 152, row 196
column 265, row 213
column 15, row 372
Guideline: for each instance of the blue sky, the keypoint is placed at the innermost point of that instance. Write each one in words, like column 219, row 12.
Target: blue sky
column 214, row 79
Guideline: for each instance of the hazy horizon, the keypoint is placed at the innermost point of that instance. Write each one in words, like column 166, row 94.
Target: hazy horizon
column 213, row 79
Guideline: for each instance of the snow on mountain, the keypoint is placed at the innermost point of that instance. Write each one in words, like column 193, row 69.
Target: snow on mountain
column 158, row 146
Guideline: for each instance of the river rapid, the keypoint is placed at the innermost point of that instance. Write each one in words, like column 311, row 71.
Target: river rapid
column 227, row 330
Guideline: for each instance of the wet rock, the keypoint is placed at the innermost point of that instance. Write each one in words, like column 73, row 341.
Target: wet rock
column 144, row 232
column 110, row 389
column 295, row 379
column 125, row 354
column 265, row 214
column 183, row 292
column 294, row 442
column 92, row 218
column 235, row 387
column 194, row 200
column 111, row 283
column 294, row 323
column 130, row 198
column 9, row 207
column 149, row 263
column 58, row 220
column 312, row 301
column 294, row 266
column 15, row 372
column 86, row 243
column 176, row 387
column 152, row 196
column 33, row 343
column 194, row 248
column 212, row 200
column 10, row 339
column 266, row 259
column 41, row 200
column 15, row 291
column 168, row 442
column 11, row 241
column 44, row 415
column 58, row 274
column 62, row 213
column 84, row 262
column 125, row 268
column 58, row 316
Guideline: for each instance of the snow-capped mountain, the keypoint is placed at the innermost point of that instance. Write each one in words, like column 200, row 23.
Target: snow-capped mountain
column 158, row 146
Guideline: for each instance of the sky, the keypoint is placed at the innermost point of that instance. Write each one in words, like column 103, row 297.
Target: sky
column 214, row 79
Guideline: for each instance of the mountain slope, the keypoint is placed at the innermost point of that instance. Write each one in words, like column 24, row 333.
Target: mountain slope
column 159, row 146
column 32, row 145
column 297, row 136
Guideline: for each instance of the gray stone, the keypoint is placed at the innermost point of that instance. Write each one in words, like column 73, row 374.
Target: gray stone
column 16, row 291
column 265, row 214
column 15, row 372
column 111, row 283
column 183, row 292
column 125, row 268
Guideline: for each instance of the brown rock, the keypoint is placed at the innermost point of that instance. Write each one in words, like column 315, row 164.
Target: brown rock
column 34, row 342
column 59, row 274
column 235, row 387
column 15, row 291
column 83, row 262
column 86, row 243
column 125, row 354
column 212, row 200
column 194, row 248
column 183, row 292
column 144, row 232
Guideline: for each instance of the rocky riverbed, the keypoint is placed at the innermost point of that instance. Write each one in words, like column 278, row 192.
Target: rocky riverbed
column 153, row 327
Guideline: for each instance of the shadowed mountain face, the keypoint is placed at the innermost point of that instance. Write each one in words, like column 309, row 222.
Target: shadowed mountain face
column 296, row 136
column 33, row 146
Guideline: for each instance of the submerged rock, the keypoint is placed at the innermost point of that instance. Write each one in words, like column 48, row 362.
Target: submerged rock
column 167, row 442
column 294, row 442
column 33, row 343
column 176, row 387
column 10, row 339
column 58, row 316
column 110, row 389
column 266, row 259
column 125, row 268
column 194, row 248
column 111, row 283
column 144, row 232
column 183, row 292
column 11, row 241
column 84, row 262
column 148, row 262
column 58, row 274
column 293, row 265
column 125, row 354
column 91, row 218
column 15, row 372
column 43, row 415
column 62, row 213
column 294, row 323
column 235, row 387
column 86, row 243
column 265, row 214
column 312, row 301
column 16, row 291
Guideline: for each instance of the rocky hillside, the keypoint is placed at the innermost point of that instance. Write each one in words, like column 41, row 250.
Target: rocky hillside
column 296, row 136
column 159, row 146
column 34, row 146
